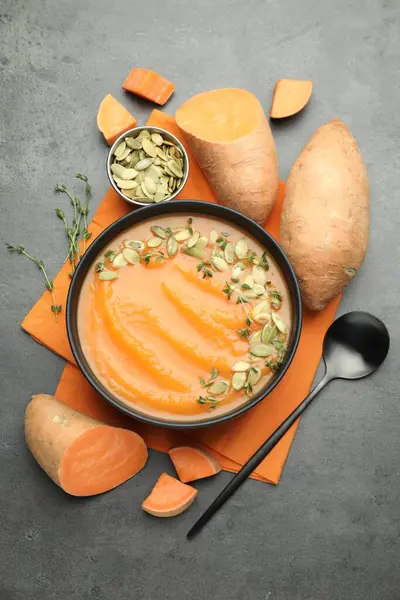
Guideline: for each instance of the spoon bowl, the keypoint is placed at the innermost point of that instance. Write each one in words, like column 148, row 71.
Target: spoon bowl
column 355, row 345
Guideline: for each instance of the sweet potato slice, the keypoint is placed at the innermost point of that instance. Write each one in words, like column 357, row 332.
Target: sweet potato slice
column 192, row 463
column 290, row 97
column 149, row 85
column 230, row 137
column 81, row 455
column 113, row 119
column 169, row 497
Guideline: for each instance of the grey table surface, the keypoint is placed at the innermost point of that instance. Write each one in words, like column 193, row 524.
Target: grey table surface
column 330, row 530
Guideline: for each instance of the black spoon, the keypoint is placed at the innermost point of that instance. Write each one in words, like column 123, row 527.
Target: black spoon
column 355, row 345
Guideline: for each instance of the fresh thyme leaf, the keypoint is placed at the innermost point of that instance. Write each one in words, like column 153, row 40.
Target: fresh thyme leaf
column 248, row 387
column 201, row 400
column 147, row 257
column 55, row 308
column 251, row 256
column 214, row 373
column 207, row 273
column 202, row 382
column 244, row 332
column 99, row 267
column 242, row 300
column 280, row 347
column 228, row 290
column 264, row 261
column 110, row 254
column 246, row 286
column 200, row 266
column 249, row 321
column 169, row 231
column 159, row 258
column 190, row 220
column 225, row 234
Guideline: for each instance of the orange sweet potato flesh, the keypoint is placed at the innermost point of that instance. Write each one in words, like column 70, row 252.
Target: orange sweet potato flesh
column 81, row 455
column 149, row 85
column 229, row 135
column 113, row 119
column 192, row 463
column 290, row 97
column 169, row 497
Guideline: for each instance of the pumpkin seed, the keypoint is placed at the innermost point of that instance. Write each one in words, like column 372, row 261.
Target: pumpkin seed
column 254, row 375
column 248, row 283
column 143, row 164
column 157, row 139
column 172, row 246
column 142, row 154
column 168, row 143
column 219, row 387
column 262, row 318
column 149, row 147
column 162, row 155
column 238, row 381
column 175, row 168
column 178, row 151
column 236, row 272
column 258, row 289
column 250, row 295
column 106, row 275
column 120, row 149
column 119, row 261
column 129, row 174
column 154, row 172
column 131, row 193
column 194, row 251
column 159, row 232
column 172, row 151
column 134, row 244
column 154, row 242
column 229, row 253
column 268, row 334
column 259, row 275
column 262, row 307
column 194, row 238
column 127, row 160
column 124, row 154
column 279, row 323
column 159, row 195
column 144, row 134
column 241, row 366
column 145, row 191
column 256, row 337
column 214, row 235
column 117, row 169
column 261, row 349
column 157, row 161
column 203, row 241
column 183, row 235
column 219, row 263
column 150, row 185
column 126, row 184
column 130, row 256
column 140, row 178
column 134, row 143
column 241, row 248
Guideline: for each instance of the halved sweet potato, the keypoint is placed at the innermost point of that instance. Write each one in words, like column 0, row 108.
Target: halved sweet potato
column 290, row 97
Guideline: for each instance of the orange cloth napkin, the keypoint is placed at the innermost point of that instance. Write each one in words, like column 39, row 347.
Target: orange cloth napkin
column 232, row 442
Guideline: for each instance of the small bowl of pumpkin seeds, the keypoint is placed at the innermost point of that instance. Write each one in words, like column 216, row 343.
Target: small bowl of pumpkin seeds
column 147, row 165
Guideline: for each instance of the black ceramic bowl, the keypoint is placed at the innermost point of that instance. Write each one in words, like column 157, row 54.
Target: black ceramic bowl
column 187, row 207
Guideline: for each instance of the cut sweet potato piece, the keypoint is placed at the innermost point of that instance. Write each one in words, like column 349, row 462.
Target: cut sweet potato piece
column 81, row 455
column 229, row 135
column 290, row 97
column 149, row 85
column 192, row 463
column 113, row 119
column 169, row 497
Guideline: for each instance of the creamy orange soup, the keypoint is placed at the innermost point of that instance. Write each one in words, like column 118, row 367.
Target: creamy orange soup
column 184, row 318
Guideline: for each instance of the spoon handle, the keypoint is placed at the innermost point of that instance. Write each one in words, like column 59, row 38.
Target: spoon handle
column 257, row 457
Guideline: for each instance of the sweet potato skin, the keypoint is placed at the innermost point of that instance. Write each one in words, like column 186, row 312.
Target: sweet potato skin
column 50, row 428
column 325, row 216
column 243, row 173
